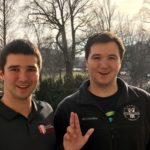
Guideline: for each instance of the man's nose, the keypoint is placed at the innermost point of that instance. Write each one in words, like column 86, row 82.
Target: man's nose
column 23, row 76
column 103, row 63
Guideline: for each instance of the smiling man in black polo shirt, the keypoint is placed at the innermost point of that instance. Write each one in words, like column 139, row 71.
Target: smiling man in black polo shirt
column 25, row 123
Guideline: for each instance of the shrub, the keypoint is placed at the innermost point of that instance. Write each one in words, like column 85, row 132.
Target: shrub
column 53, row 91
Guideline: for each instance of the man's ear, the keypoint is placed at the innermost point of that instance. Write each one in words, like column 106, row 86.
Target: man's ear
column 86, row 63
column 1, row 75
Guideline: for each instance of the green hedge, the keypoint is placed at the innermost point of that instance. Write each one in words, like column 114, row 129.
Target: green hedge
column 53, row 91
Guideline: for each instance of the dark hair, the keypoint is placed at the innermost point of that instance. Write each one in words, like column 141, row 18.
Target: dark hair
column 20, row 46
column 104, row 37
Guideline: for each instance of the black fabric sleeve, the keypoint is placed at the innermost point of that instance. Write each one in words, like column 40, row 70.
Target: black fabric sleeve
column 61, row 122
column 148, row 112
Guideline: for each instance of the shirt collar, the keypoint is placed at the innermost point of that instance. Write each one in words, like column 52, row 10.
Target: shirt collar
column 125, row 96
column 9, row 113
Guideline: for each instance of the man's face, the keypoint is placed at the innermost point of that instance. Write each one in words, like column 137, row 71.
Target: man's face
column 103, row 63
column 20, row 76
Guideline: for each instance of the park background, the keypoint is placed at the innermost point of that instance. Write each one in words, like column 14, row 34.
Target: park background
column 60, row 29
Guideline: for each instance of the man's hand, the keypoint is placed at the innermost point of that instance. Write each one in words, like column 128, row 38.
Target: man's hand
column 73, row 139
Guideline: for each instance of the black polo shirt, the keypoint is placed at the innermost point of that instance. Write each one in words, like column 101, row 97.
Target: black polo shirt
column 33, row 133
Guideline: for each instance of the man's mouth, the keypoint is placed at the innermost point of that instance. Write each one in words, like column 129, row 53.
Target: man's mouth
column 104, row 73
column 23, row 86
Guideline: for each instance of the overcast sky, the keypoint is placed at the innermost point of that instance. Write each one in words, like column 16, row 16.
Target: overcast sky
column 129, row 6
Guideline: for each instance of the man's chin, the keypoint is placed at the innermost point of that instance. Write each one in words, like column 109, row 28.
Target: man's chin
column 104, row 83
column 24, row 97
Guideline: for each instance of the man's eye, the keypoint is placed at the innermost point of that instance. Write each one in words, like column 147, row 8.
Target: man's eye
column 112, row 58
column 96, row 58
column 32, row 70
column 14, row 69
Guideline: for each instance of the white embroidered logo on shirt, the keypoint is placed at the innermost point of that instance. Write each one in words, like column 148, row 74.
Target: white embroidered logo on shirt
column 89, row 118
column 131, row 112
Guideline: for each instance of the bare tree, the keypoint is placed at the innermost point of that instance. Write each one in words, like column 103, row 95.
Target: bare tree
column 6, row 18
column 145, row 11
column 138, row 62
column 33, row 29
column 64, row 18
column 103, row 16
column 136, row 40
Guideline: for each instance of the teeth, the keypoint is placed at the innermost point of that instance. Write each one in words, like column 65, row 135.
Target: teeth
column 23, row 86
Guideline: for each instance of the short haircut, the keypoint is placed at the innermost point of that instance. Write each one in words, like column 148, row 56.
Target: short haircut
column 104, row 37
column 20, row 46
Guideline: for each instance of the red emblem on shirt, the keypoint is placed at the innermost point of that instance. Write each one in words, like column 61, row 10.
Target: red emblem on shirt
column 44, row 129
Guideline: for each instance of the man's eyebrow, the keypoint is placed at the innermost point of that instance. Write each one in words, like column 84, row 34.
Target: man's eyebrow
column 112, row 55
column 13, row 66
column 96, row 55
column 17, row 66
column 30, row 66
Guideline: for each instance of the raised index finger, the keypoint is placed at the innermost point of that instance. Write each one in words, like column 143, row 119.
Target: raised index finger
column 72, row 119
column 76, row 122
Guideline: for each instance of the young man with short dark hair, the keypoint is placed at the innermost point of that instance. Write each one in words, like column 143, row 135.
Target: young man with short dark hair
column 118, row 112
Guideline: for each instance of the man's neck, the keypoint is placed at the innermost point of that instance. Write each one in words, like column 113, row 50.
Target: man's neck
column 103, row 90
